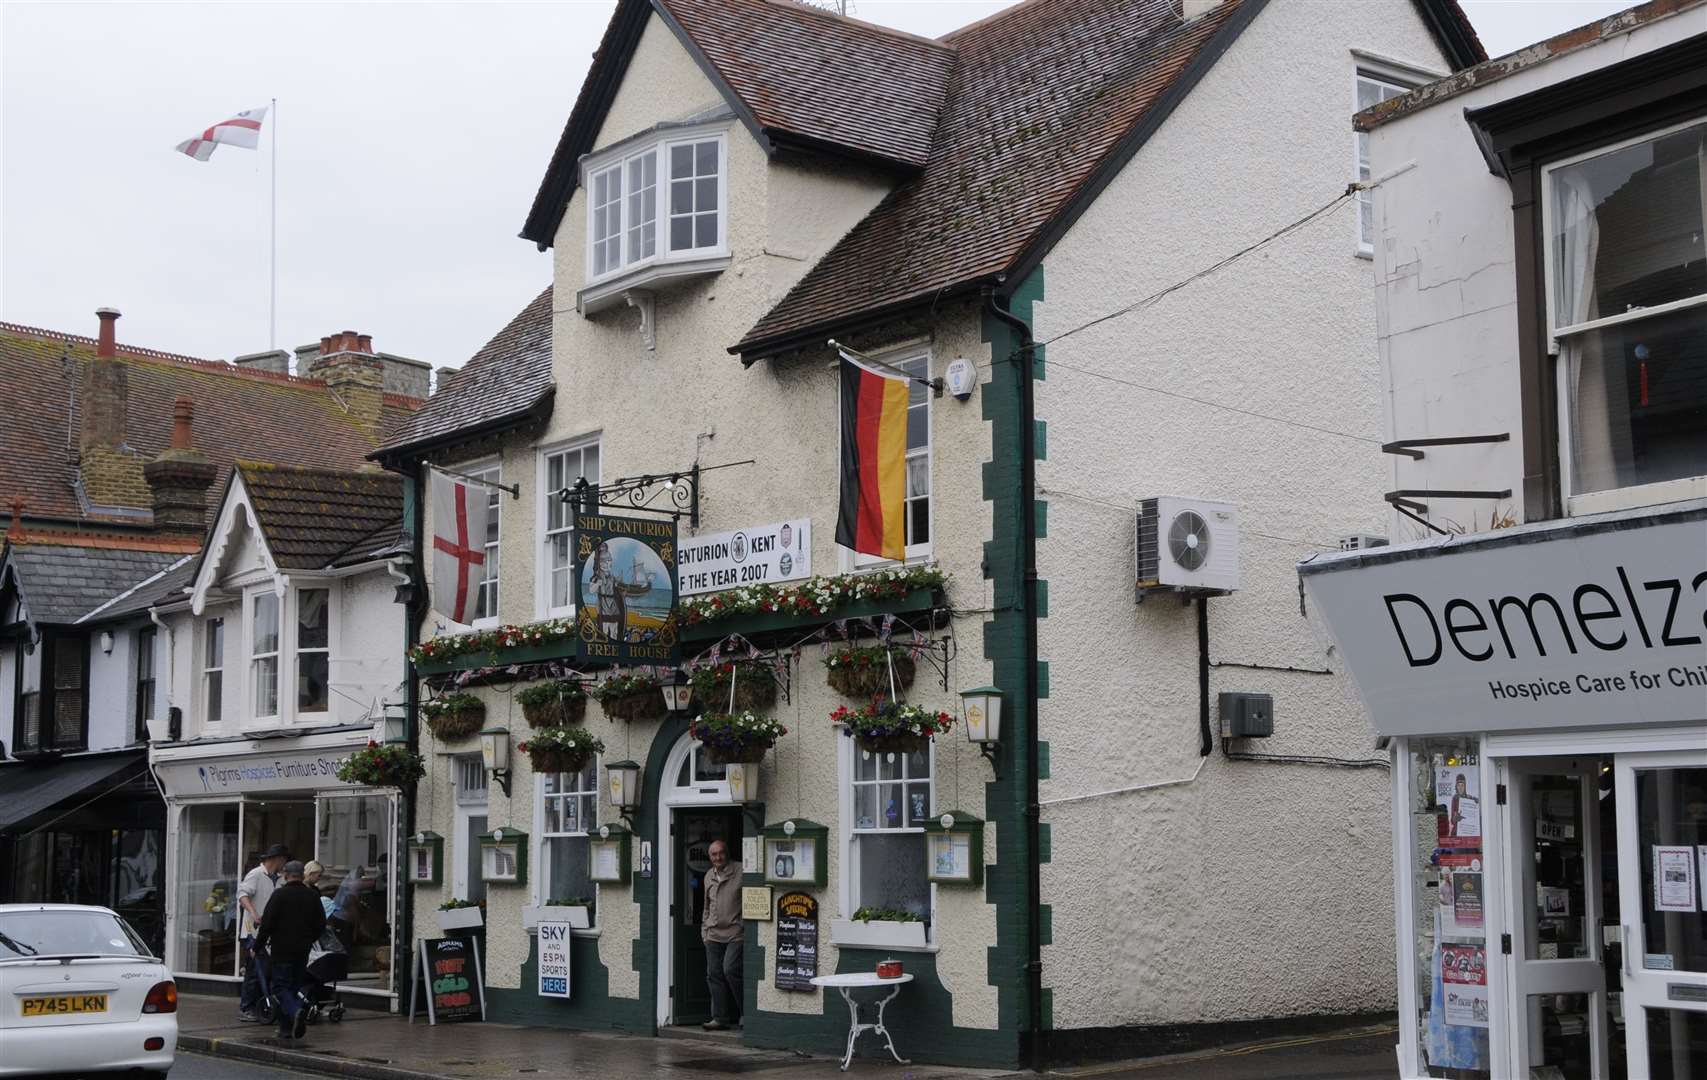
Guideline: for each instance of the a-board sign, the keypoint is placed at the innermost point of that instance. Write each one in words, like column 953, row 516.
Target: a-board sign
column 450, row 971
column 796, row 941
column 554, row 959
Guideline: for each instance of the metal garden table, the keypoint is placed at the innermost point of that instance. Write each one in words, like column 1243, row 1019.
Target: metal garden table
column 852, row 981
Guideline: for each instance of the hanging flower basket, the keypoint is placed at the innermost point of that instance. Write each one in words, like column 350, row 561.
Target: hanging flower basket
column 391, row 765
column 736, row 738
column 887, row 727
column 454, row 716
column 561, row 749
column 862, row 671
column 554, row 704
column 755, row 686
column 631, row 698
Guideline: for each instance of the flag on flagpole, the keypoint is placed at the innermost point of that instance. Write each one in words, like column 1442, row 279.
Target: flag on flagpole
column 459, row 547
column 243, row 130
column 874, row 461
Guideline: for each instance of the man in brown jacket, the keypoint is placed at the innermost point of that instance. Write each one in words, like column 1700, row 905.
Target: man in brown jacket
column 721, row 930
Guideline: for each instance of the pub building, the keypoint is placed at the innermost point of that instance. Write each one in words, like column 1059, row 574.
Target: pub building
column 282, row 642
column 763, row 279
column 1530, row 648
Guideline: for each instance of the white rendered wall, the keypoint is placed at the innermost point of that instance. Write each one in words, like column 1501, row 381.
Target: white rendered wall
column 1445, row 285
column 8, row 692
column 1206, row 894
column 112, row 689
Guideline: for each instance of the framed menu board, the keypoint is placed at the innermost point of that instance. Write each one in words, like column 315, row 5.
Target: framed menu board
column 796, row 941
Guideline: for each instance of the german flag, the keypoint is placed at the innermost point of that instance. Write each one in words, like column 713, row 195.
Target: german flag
column 874, row 462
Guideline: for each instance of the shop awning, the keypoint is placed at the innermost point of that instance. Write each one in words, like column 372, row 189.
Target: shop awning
column 1581, row 622
column 28, row 788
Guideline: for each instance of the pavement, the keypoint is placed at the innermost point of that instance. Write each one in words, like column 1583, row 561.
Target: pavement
column 379, row 1046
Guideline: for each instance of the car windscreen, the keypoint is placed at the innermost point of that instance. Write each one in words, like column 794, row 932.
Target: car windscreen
column 46, row 934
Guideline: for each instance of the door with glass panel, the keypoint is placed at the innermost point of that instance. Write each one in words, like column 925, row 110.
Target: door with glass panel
column 1662, row 831
column 1558, row 985
column 354, row 847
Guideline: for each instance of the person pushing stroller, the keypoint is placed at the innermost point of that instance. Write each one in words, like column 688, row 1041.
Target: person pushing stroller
column 290, row 927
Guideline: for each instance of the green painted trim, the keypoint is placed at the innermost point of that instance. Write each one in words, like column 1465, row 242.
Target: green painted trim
column 1043, row 760
column 1040, row 512
column 1042, row 598
column 1044, row 847
column 1042, row 674
column 522, row 654
column 1046, row 916
column 1040, row 441
column 750, row 625
column 1049, row 1008
column 589, row 1006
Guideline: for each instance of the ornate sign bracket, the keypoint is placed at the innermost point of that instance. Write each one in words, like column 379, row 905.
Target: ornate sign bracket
column 672, row 494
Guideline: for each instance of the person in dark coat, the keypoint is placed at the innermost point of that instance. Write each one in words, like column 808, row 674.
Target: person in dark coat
column 289, row 927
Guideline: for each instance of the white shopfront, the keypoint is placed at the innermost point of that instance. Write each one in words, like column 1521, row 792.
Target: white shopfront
column 226, row 802
column 1544, row 692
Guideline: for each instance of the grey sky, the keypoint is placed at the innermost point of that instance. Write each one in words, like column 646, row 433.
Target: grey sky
column 411, row 138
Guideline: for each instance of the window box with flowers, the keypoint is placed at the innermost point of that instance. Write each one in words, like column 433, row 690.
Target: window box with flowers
column 462, row 915
column 889, row 727
column 561, row 749
column 454, row 716
column 733, row 684
column 631, row 697
column 556, row 703
column 736, row 738
column 863, row 671
column 880, row 928
column 374, row 765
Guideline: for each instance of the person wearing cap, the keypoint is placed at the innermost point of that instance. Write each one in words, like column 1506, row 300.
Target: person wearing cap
column 253, row 893
column 289, row 928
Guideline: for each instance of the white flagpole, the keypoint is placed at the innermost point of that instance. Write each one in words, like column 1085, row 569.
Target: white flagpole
column 273, row 266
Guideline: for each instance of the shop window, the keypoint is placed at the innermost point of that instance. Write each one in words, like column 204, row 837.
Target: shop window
column 264, row 653
column 313, row 646
column 917, row 507
column 206, row 877
column 213, row 671
column 568, row 812
column 144, row 681
column 562, row 469
column 1627, row 285
column 355, row 849
column 891, row 799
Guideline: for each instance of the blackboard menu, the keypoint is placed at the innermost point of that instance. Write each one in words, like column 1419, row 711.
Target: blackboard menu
column 451, row 972
column 796, row 941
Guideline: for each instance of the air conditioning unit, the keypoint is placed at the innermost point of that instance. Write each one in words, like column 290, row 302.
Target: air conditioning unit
column 1361, row 542
column 1188, row 546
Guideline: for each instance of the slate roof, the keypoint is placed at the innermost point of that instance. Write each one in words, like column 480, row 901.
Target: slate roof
column 317, row 519
column 62, row 581
column 237, row 411
column 508, row 380
column 168, row 585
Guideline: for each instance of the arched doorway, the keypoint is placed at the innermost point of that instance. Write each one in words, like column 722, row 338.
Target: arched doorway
column 694, row 808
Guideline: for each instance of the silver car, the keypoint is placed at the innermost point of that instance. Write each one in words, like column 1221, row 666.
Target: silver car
column 80, row 993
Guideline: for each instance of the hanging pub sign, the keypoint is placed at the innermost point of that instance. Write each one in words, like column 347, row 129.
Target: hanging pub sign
column 625, row 589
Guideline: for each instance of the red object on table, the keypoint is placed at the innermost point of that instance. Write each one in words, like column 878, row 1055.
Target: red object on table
column 889, row 969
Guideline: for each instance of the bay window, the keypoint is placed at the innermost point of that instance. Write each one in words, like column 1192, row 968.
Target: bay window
column 313, row 650
column 562, row 468
column 213, row 671
column 264, row 653
column 568, row 809
column 623, row 202
column 1627, row 307
column 1372, row 90
column 890, row 796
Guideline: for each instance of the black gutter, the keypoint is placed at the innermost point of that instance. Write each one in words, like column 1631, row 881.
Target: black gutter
column 1028, row 613
column 415, row 613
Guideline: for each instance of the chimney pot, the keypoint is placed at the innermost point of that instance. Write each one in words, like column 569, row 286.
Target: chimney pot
column 107, row 341
column 183, row 415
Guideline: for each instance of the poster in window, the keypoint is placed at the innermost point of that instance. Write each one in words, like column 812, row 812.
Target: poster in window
column 951, row 856
column 625, row 588
column 1467, row 900
column 1674, row 877
column 1464, row 979
column 1456, row 789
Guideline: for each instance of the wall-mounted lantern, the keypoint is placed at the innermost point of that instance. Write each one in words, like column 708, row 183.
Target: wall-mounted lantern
column 504, row 857
column 743, row 780
column 394, row 726
column 622, row 783
column 426, row 859
column 495, row 755
column 678, row 693
column 981, row 708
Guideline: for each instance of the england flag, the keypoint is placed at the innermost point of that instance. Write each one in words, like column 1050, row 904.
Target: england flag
column 243, row 130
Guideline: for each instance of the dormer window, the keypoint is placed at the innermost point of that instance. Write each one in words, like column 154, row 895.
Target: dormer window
column 657, row 207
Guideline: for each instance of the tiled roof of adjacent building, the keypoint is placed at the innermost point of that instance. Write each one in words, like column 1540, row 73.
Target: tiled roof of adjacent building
column 237, row 411
column 507, row 380
column 1001, row 132
column 62, row 579
column 317, row 519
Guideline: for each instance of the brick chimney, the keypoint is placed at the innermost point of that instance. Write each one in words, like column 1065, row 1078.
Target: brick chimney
column 179, row 478
column 349, row 368
column 106, row 389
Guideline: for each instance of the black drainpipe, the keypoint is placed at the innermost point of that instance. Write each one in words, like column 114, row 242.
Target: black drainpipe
column 415, row 613
column 1205, row 731
column 1028, row 610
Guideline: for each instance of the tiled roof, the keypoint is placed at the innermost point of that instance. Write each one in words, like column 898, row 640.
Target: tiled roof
column 61, row 582
column 315, row 519
column 166, row 586
column 807, row 75
column 508, row 379
column 237, row 411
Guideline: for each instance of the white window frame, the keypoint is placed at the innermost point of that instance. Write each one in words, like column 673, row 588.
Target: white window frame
column 657, row 147
column 914, row 553
column 541, row 887
column 1364, row 201
column 469, row 805
column 847, row 836
column 1637, row 495
column 251, row 684
column 491, row 471
column 205, row 655
column 543, row 607
column 296, row 651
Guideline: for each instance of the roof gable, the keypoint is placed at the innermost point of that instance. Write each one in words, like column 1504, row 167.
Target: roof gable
column 235, row 534
column 323, row 519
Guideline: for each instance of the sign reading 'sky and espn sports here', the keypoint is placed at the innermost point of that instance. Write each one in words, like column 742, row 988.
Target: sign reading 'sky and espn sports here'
column 760, row 555
column 625, row 589
column 1587, row 628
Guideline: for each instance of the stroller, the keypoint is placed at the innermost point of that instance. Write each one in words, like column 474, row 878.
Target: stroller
column 328, row 965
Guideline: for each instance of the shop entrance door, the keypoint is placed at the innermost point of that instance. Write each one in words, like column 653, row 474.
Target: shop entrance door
column 1662, row 829
column 1558, row 989
column 693, row 830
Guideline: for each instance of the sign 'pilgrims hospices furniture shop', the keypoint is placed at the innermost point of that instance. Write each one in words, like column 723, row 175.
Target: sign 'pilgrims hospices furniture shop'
column 625, row 589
